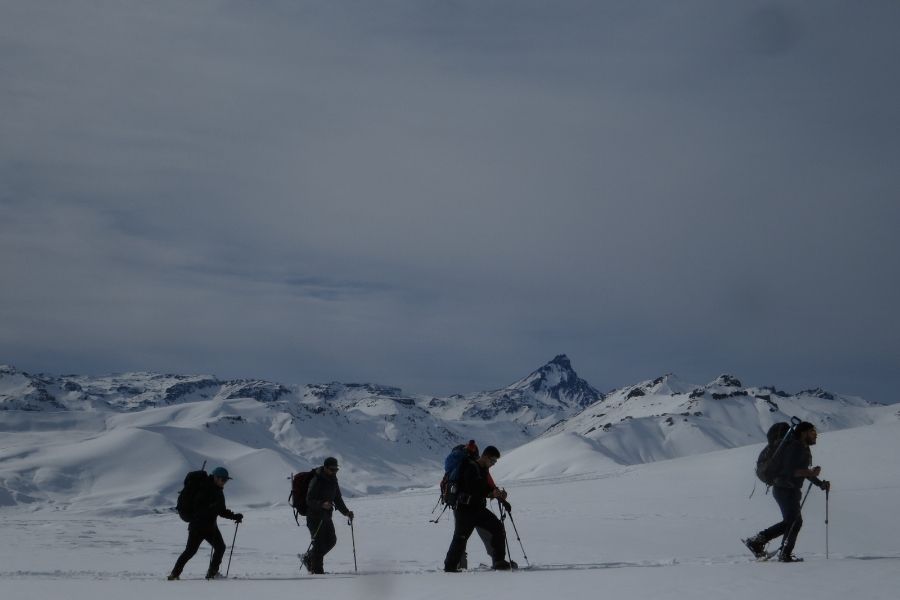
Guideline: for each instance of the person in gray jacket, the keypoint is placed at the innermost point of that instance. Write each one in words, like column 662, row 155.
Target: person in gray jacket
column 323, row 496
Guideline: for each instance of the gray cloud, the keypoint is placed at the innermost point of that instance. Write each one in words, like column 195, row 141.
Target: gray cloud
column 443, row 195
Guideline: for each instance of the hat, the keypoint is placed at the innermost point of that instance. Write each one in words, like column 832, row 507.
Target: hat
column 331, row 462
column 221, row 472
column 491, row 451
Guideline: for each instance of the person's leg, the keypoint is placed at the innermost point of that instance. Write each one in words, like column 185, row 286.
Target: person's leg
column 195, row 538
column 789, row 501
column 325, row 541
column 214, row 537
column 489, row 522
column 464, row 524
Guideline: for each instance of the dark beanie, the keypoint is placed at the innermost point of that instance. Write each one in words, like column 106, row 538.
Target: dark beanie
column 491, row 451
column 804, row 426
column 331, row 462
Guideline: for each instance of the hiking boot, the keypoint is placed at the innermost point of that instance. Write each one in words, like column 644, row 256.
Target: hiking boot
column 501, row 565
column 513, row 564
column 789, row 558
column 452, row 569
column 464, row 561
column 756, row 545
column 304, row 560
column 216, row 575
column 172, row 577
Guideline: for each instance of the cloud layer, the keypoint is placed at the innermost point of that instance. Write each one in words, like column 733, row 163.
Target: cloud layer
column 443, row 195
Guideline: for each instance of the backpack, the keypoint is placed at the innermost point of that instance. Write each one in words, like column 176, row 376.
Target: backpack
column 193, row 482
column 768, row 463
column 451, row 470
column 299, row 487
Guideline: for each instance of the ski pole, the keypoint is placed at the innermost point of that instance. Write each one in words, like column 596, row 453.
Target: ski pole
column 827, row 490
column 353, row 537
column 511, row 520
column 236, row 525
column 438, row 518
column 503, row 514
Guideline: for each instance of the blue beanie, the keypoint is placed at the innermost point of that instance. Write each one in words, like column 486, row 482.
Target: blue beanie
column 221, row 472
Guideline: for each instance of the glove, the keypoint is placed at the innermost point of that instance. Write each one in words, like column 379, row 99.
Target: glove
column 238, row 518
column 825, row 485
column 506, row 505
column 350, row 514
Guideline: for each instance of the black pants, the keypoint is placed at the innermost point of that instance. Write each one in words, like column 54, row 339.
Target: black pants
column 467, row 518
column 788, row 500
column 321, row 530
column 196, row 536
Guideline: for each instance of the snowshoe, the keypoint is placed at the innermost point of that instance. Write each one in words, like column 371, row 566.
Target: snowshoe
column 789, row 558
column 756, row 545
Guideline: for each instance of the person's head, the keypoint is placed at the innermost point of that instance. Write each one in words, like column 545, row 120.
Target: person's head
column 806, row 433
column 220, row 476
column 331, row 465
column 489, row 457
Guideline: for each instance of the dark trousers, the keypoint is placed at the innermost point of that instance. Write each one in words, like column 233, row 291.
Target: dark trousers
column 196, row 536
column 467, row 518
column 788, row 500
column 321, row 529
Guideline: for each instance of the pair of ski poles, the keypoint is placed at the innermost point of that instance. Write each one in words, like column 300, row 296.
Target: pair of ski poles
column 503, row 515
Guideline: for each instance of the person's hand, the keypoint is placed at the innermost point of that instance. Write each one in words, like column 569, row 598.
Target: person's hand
column 327, row 505
column 350, row 514
column 506, row 505
column 238, row 518
column 816, row 471
column 825, row 485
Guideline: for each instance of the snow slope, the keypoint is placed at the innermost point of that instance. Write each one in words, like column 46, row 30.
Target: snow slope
column 668, row 529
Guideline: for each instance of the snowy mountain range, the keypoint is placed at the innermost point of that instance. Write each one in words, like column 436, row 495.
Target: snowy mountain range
column 81, row 442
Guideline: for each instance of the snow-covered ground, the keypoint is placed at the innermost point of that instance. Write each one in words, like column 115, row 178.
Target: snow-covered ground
column 668, row 529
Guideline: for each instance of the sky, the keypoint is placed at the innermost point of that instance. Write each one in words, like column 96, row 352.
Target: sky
column 443, row 195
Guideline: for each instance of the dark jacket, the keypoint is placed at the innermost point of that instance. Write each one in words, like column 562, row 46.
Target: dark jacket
column 795, row 455
column 474, row 484
column 324, row 488
column 209, row 503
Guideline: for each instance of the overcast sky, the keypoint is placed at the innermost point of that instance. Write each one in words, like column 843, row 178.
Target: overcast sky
column 442, row 195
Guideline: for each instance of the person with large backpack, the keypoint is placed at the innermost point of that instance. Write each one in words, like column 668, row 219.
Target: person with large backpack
column 791, row 469
column 322, row 497
column 200, row 503
column 474, row 486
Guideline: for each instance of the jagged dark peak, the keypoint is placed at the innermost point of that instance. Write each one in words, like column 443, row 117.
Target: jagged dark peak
column 562, row 361
column 558, row 380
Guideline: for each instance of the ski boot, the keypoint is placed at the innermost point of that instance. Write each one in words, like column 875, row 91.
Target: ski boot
column 756, row 545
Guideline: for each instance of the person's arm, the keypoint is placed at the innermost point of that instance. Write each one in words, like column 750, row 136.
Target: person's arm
column 339, row 504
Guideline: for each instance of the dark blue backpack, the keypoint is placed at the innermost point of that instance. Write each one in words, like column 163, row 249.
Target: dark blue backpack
column 452, row 464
